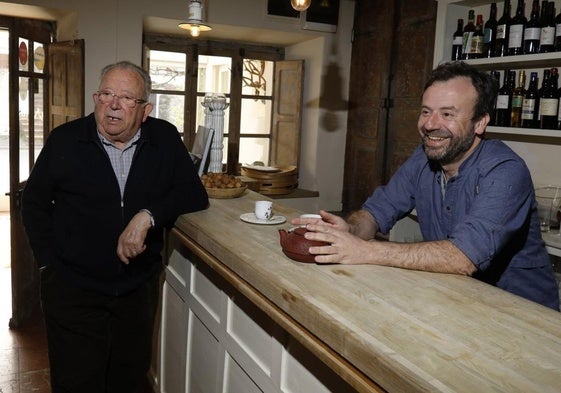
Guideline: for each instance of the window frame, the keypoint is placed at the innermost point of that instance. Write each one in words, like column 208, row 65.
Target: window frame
column 237, row 52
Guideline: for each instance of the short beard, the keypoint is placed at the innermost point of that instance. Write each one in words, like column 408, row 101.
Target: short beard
column 458, row 146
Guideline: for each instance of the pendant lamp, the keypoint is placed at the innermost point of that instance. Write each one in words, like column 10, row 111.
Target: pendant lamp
column 300, row 5
column 195, row 23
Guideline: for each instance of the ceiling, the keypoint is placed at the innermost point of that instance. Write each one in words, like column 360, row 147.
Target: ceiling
column 160, row 25
column 153, row 24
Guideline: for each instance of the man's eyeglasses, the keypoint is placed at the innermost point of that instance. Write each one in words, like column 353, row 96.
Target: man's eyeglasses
column 105, row 97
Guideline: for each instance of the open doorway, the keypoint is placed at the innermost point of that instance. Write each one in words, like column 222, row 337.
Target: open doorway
column 5, row 258
column 5, row 271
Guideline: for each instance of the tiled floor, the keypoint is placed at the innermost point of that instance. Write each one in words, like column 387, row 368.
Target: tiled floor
column 24, row 364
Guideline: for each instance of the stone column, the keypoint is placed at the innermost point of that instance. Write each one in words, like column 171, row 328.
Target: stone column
column 214, row 118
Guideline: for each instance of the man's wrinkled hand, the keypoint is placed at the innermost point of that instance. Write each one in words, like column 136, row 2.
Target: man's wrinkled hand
column 131, row 241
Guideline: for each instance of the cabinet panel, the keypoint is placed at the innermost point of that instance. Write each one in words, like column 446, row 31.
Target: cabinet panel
column 302, row 373
column 205, row 359
column 236, row 380
column 174, row 340
column 252, row 331
column 207, row 294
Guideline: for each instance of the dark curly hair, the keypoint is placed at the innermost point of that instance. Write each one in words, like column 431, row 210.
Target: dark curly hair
column 484, row 85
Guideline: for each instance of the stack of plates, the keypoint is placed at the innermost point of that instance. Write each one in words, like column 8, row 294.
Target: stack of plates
column 273, row 180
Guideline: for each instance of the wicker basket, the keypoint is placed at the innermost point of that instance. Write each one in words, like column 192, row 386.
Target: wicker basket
column 225, row 193
column 280, row 182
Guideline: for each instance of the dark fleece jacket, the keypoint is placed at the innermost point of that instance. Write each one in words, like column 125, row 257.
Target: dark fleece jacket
column 72, row 208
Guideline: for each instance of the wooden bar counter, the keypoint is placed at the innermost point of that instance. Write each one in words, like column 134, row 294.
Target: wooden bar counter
column 376, row 328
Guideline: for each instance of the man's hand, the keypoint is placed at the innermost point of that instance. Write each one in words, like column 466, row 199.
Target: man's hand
column 131, row 241
column 327, row 219
column 344, row 248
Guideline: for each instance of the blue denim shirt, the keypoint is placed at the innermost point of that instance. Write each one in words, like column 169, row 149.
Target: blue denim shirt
column 488, row 211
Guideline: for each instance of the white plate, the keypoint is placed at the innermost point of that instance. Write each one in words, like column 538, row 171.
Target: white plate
column 250, row 217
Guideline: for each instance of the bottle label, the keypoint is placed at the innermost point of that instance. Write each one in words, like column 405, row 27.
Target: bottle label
column 501, row 31
column 502, row 101
column 517, row 101
column 548, row 106
column 532, row 33
column 467, row 42
column 547, row 36
column 515, row 36
column 487, row 35
column 558, row 30
column 458, row 40
column 476, row 44
column 528, row 106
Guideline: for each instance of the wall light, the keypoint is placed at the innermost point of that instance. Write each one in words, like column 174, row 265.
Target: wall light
column 194, row 23
column 300, row 5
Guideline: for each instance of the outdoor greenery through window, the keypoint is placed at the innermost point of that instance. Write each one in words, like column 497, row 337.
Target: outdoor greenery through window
column 182, row 77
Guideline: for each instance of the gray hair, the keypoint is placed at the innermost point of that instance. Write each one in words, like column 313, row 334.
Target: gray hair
column 127, row 65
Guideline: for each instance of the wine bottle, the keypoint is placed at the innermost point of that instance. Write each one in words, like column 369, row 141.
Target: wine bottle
column 529, row 104
column 496, row 79
column 549, row 102
column 545, row 81
column 533, row 30
column 517, row 98
column 457, row 41
column 477, row 38
column 547, row 35
column 501, row 42
column 490, row 32
column 469, row 29
column 516, row 31
column 557, row 45
column 504, row 100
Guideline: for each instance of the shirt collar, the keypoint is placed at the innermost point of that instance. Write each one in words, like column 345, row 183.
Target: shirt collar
column 131, row 142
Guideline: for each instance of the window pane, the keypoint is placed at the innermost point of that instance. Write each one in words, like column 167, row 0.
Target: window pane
column 167, row 70
column 23, row 128
column 214, row 74
column 254, row 149
column 4, row 116
column 39, row 57
column 256, row 116
column 38, row 117
column 169, row 107
column 23, row 55
column 257, row 77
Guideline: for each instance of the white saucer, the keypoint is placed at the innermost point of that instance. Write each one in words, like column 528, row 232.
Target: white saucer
column 250, row 217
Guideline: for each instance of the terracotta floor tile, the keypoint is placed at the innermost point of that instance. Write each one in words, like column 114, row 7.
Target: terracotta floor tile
column 9, row 362
column 35, row 382
column 9, row 384
column 33, row 360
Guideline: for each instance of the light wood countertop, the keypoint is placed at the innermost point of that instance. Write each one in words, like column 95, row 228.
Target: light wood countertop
column 406, row 330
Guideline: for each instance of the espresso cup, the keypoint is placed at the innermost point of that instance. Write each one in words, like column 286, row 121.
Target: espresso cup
column 264, row 210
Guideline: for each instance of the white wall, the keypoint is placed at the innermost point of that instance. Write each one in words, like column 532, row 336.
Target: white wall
column 112, row 30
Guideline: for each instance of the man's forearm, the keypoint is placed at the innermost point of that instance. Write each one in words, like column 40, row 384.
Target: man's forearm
column 435, row 256
column 362, row 224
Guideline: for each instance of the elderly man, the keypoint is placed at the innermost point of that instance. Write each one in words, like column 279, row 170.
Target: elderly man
column 94, row 207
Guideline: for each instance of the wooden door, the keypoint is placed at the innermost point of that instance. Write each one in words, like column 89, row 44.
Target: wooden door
column 66, row 84
column 287, row 112
column 28, row 134
column 28, row 96
column 392, row 53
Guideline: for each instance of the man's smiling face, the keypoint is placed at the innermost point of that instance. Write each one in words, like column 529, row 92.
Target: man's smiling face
column 445, row 124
